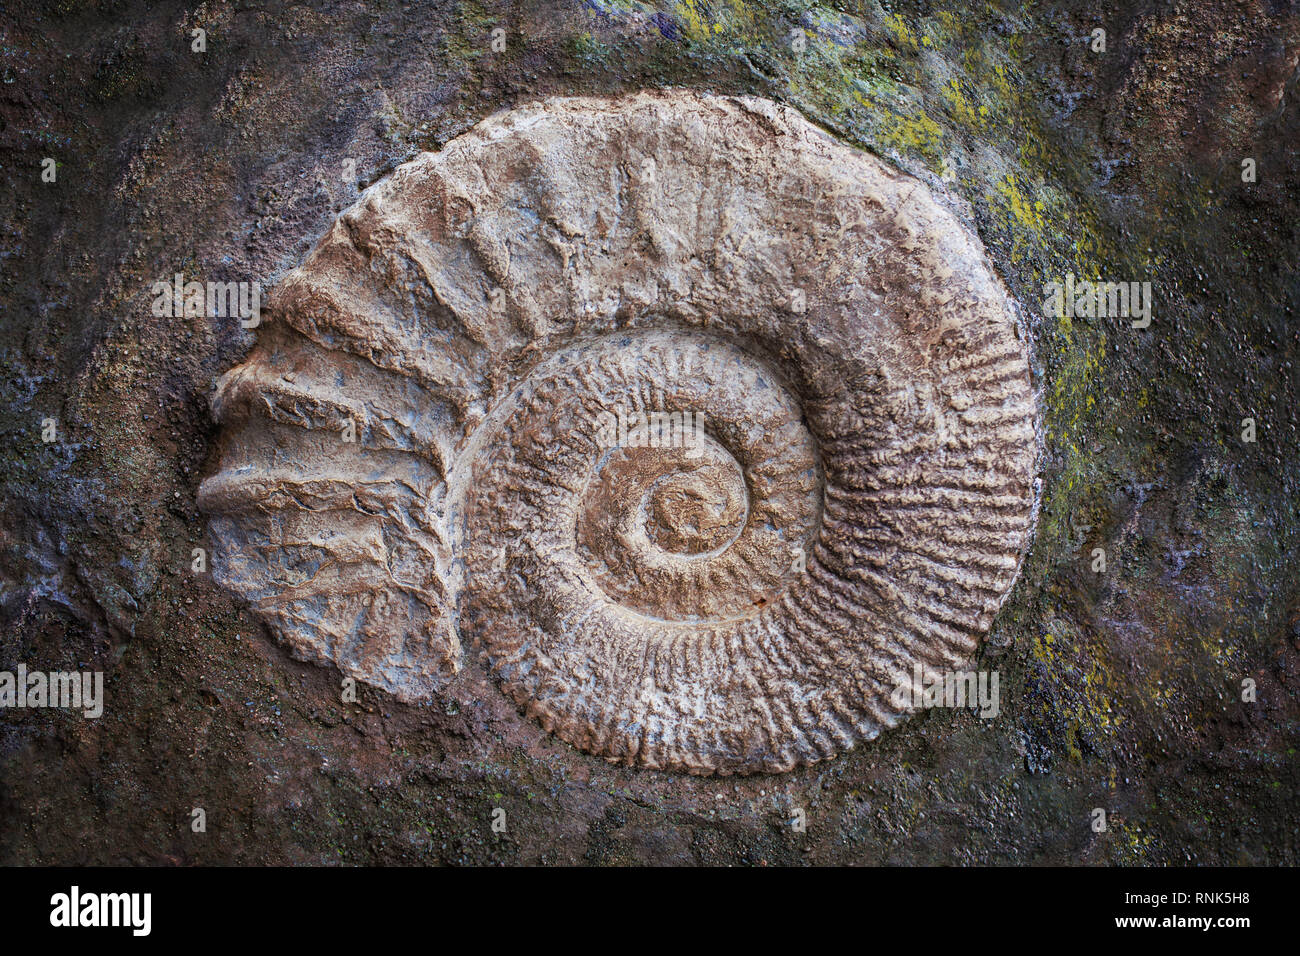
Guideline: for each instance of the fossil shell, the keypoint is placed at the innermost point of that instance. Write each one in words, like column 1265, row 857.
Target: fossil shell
column 851, row 496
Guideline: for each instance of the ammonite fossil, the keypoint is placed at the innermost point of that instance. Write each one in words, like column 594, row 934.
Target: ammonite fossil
column 701, row 427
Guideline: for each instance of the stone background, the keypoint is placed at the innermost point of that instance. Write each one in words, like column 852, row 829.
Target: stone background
column 1120, row 691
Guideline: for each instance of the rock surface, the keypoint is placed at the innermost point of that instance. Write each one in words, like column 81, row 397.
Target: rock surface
column 1120, row 690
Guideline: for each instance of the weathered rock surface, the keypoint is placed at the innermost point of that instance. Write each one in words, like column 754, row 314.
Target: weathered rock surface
column 1120, row 690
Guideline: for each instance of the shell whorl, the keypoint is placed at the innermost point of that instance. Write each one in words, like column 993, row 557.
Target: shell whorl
column 827, row 478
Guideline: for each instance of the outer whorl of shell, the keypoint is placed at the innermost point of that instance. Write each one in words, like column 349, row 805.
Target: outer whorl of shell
column 850, row 495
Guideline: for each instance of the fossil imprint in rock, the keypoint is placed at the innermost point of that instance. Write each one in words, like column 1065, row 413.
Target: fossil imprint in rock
column 852, row 493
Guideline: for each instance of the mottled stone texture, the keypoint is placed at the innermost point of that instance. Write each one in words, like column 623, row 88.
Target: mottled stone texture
column 867, row 421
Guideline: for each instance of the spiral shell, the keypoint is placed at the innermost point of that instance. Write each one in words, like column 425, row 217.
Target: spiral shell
column 702, row 427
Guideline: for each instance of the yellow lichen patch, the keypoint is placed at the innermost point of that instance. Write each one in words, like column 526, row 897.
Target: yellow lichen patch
column 1090, row 711
column 693, row 24
column 1136, row 844
column 962, row 109
column 949, row 23
column 901, row 32
column 1028, row 213
column 1001, row 82
column 914, row 133
column 736, row 20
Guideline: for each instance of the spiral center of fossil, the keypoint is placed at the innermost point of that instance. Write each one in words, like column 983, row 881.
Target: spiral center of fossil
column 663, row 505
column 686, row 496
column 692, row 512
